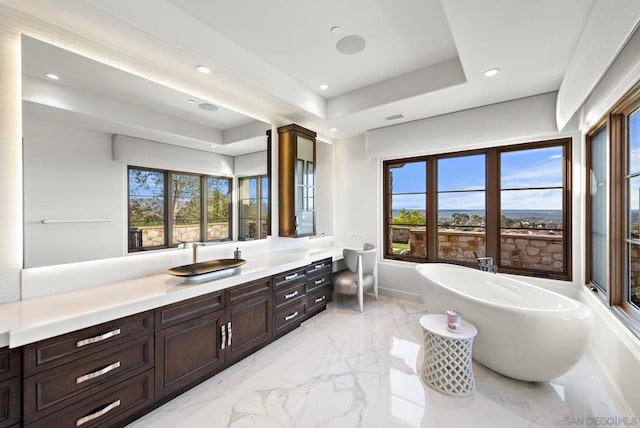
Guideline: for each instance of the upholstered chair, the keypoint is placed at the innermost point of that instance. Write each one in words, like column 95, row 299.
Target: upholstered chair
column 361, row 274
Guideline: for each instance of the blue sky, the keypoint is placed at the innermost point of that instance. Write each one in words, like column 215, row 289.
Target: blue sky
column 520, row 169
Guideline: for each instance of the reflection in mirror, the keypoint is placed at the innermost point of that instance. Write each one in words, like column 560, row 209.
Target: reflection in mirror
column 89, row 135
column 305, row 186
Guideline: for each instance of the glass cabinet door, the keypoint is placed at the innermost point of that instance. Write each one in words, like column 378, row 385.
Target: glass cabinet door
column 305, row 187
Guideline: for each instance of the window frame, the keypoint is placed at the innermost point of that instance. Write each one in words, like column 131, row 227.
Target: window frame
column 616, row 297
column 168, row 210
column 259, row 211
column 492, row 206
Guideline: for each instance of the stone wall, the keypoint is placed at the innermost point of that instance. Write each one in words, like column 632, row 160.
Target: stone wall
column 517, row 250
column 154, row 235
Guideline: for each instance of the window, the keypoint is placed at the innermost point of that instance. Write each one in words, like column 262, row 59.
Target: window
column 253, row 207
column 509, row 203
column 613, row 209
column 461, row 208
column 406, row 201
column 597, row 208
column 166, row 207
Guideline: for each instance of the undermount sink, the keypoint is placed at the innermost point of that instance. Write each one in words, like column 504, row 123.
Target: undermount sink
column 196, row 272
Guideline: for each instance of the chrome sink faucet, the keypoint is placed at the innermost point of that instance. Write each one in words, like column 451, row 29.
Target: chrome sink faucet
column 194, row 249
column 485, row 264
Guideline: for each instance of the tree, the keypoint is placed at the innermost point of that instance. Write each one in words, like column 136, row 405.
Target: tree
column 409, row 218
column 460, row 219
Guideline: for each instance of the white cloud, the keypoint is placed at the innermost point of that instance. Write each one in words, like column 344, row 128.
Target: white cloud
column 531, row 200
column 546, row 174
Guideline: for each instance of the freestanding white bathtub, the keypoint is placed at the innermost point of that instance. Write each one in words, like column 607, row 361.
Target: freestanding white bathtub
column 524, row 332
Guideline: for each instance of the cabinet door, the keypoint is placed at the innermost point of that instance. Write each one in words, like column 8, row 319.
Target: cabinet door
column 250, row 325
column 10, row 400
column 189, row 352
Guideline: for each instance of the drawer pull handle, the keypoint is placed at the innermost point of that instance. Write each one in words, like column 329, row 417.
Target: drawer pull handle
column 89, row 341
column 318, row 266
column 319, row 281
column 230, row 334
column 224, row 336
column 292, row 316
column 320, row 299
column 290, row 295
column 98, row 373
column 288, row 277
column 97, row 414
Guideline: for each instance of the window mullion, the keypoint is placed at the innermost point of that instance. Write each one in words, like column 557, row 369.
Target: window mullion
column 492, row 205
column 168, row 232
column 432, row 209
column 617, row 225
column 204, row 205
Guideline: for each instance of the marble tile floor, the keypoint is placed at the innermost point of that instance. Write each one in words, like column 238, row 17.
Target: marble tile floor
column 347, row 369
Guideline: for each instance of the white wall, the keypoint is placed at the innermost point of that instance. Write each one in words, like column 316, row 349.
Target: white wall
column 69, row 173
column 250, row 164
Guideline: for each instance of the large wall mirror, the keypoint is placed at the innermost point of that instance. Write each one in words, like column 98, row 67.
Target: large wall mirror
column 115, row 164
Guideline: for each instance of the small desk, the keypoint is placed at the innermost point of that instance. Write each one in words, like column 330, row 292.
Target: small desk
column 447, row 356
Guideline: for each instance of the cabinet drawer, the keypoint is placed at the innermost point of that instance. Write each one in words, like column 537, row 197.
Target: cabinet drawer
column 55, row 389
column 320, row 267
column 53, row 352
column 10, row 401
column 287, row 278
column 289, row 318
column 10, row 364
column 288, row 295
column 318, row 282
column 188, row 309
column 318, row 300
column 106, row 408
column 249, row 290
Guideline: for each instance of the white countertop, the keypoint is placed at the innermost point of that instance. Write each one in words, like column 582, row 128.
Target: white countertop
column 28, row 321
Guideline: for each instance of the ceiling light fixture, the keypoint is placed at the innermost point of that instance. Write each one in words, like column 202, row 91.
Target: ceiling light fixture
column 208, row 107
column 203, row 69
column 191, row 101
column 323, row 86
column 491, row 72
column 213, row 146
column 351, row 45
column 335, row 30
column 51, row 76
column 334, row 129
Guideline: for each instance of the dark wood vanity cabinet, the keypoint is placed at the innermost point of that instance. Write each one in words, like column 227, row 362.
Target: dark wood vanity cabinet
column 207, row 333
column 319, row 286
column 289, row 300
column 10, row 387
column 249, row 315
column 96, row 376
column 110, row 374
column 296, row 181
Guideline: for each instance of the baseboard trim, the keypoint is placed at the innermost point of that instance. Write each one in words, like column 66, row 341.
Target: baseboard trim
column 403, row 295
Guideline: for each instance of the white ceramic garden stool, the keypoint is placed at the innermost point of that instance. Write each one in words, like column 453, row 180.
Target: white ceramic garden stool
column 447, row 356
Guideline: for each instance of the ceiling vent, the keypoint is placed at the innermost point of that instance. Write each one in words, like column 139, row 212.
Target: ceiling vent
column 394, row 117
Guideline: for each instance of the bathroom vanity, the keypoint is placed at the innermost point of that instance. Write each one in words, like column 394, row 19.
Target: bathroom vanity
column 112, row 372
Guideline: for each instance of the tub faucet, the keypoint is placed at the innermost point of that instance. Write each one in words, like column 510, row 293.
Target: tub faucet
column 485, row 264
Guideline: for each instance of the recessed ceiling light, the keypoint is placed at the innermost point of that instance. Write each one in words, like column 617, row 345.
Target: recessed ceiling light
column 351, row 45
column 335, row 30
column 491, row 72
column 191, row 101
column 323, row 86
column 51, row 76
column 203, row 69
column 334, row 129
column 208, row 106
column 213, row 146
